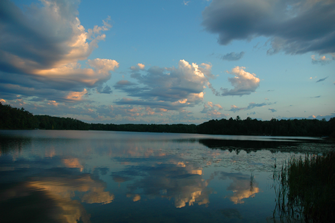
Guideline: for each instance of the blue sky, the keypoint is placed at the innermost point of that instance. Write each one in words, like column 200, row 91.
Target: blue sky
column 169, row 61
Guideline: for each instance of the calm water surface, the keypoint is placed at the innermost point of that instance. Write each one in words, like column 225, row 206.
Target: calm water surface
column 95, row 176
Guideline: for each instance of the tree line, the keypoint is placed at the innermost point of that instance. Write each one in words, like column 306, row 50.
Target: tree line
column 15, row 118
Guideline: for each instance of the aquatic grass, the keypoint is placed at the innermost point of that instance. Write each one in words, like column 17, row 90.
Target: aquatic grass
column 307, row 189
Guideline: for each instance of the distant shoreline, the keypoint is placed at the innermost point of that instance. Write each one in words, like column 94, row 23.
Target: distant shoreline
column 20, row 119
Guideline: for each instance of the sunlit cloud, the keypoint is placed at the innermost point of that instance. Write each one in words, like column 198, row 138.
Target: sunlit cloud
column 322, row 60
column 213, row 110
column 167, row 88
column 76, row 96
column 244, row 83
column 43, row 45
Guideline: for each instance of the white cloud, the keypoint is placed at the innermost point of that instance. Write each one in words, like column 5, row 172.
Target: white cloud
column 244, row 83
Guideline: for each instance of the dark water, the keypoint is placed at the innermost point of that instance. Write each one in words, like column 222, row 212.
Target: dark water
column 93, row 176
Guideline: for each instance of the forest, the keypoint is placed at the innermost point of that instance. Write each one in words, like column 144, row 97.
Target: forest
column 19, row 118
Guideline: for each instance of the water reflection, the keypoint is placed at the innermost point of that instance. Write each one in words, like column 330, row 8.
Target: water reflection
column 55, row 191
column 104, row 176
column 243, row 186
column 177, row 180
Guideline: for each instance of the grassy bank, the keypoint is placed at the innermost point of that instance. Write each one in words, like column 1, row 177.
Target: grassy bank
column 306, row 189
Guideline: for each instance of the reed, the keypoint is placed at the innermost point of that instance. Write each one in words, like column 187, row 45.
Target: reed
column 306, row 189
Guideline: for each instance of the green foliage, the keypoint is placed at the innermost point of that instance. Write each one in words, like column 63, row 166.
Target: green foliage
column 15, row 118
column 306, row 189
column 57, row 123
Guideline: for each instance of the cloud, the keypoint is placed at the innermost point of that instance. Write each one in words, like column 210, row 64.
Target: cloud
column 234, row 108
column 186, row 2
column 251, row 105
column 295, row 27
column 272, row 110
column 322, row 60
column 233, row 56
column 244, row 83
column 213, row 110
column 322, row 79
column 168, row 88
column 42, row 45
column 76, row 96
column 104, row 90
column 139, row 66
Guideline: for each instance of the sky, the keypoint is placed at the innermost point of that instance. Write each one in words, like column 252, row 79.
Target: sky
column 169, row 61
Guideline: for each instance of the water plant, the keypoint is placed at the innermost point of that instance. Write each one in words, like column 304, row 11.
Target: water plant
column 305, row 189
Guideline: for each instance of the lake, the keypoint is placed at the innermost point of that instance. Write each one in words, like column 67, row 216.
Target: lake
column 100, row 176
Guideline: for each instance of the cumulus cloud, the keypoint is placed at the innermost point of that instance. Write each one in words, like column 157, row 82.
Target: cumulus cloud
column 213, row 110
column 322, row 60
column 41, row 46
column 233, row 56
column 294, row 26
column 322, row 79
column 168, row 88
column 244, row 83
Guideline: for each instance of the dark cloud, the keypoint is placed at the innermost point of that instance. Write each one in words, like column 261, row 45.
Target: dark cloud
column 233, row 56
column 252, row 113
column 272, row 110
column 322, row 79
column 294, row 26
column 251, row 105
column 104, row 90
